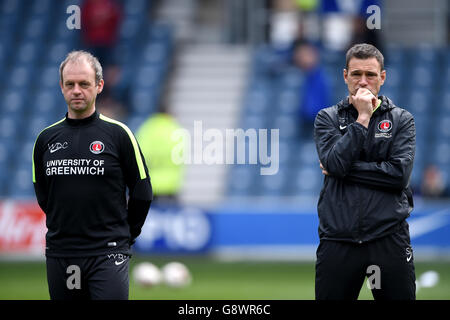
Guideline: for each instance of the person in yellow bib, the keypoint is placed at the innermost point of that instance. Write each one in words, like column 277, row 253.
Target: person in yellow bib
column 155, row 140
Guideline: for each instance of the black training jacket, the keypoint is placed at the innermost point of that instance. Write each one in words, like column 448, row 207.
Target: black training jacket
column 81, row 172
column 366, row 194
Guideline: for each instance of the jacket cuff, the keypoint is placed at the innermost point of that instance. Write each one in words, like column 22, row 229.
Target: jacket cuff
column 364, row 129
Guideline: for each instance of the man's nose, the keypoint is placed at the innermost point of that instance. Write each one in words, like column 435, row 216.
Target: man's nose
column 363, row 81
column 76, row 89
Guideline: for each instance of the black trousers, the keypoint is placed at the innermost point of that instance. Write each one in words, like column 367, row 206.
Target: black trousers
column 341, row 268
column 102, row 277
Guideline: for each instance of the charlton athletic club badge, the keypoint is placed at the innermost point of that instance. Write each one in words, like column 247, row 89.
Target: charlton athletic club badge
column 97, row 147
column 384, row 128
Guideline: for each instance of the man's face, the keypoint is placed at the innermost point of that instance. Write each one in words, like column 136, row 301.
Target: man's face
column 364, row 73
column 79, row 88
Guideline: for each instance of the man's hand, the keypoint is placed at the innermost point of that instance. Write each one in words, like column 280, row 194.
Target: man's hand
column 364, row 101
column 324, row 171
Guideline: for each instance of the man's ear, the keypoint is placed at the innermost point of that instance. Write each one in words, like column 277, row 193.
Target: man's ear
column 100, row 85
column 345, row 74
column 383, row 76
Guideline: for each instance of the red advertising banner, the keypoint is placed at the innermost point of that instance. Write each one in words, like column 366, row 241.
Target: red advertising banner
column 22, row 228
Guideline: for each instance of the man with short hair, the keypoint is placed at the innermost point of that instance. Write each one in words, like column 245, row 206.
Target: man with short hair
column 83, row 166
column 366, row 149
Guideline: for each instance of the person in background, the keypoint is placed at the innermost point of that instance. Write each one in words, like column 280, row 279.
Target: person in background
column 316, row 91
column 155, row 139
column 434, row 184
column 101, row 20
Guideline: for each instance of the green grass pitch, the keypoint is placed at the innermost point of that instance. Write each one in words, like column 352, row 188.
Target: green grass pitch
column 213, row 280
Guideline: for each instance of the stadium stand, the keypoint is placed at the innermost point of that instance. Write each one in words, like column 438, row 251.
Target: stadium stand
column 34, row 40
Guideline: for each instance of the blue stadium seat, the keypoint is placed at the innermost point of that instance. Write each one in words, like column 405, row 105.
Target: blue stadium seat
column 288, row 127
column 242, row 180
column 442, row 127
column 418, row 102
column 440, row 153
column 136, row 7
column 5, row 152
column 422, row 77
column 306, row 181
column 306, row 153
column 57, row 51
column 131, row 28
column 254, row 122
column 124, row 55
column 420, row 157
column 35, row 126
column 13, row 103
column 67, row 3
column 392, row 93
column 4, row 52
column 443, row 102
column 36, row 29
column 21, row 183
column 394, row 75
column 148, row 77
column 417, row 176
column 446, row 71
column 24, row 154
column 291, row 78
column 161, row 31
column 28, row 53
column 285, row 151
column 288, row 102
column 45, row 101
column 275, row 185
column 21, row 76
column 61, row 33
column 423, row 125
column 155, row 53
column 11, row 7
column 143, row 102
column 332, row 58
column 8, row 149
column 425, row 56
column 49, row 77
column 41, row 8
column 335, row 76
column 10, row 128
column 394, row 56
column 257, row 100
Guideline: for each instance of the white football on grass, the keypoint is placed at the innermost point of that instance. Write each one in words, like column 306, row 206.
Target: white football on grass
column 147, row 274
column 176, row 274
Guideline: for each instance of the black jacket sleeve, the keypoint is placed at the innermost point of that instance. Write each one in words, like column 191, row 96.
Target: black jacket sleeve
column 394, row 173
column 337, row 152
column 39, row 182
column 138, row 182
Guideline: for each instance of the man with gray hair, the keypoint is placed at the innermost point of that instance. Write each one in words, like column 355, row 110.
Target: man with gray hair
column 83, row 166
